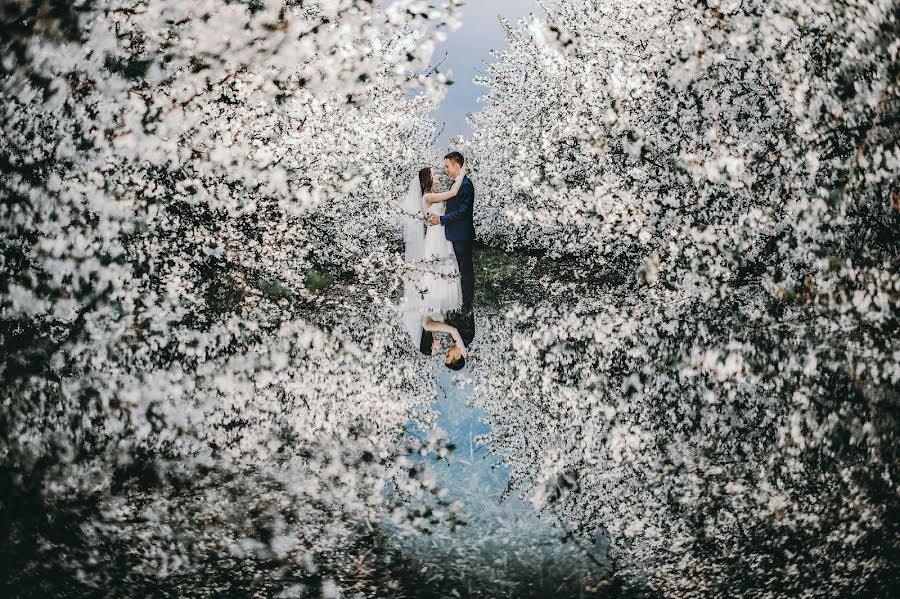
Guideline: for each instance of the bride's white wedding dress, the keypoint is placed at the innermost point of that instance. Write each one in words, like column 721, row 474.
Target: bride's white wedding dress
column 440, row 283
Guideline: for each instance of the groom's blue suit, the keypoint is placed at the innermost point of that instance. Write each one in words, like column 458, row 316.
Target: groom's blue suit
column 460, row 230
column 457, row 221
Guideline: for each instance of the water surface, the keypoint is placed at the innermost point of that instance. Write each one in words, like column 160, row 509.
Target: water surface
column 506, row 548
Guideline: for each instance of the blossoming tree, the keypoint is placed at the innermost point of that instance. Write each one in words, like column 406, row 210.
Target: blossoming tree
column 715, row 388
column 171, row 173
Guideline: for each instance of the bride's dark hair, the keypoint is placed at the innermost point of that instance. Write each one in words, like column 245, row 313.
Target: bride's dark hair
column 425, row 179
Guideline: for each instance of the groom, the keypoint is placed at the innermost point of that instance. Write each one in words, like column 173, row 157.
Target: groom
column 460, row 230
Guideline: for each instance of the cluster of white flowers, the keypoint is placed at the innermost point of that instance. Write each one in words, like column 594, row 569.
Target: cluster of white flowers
column 171, row 172
column 715, row 390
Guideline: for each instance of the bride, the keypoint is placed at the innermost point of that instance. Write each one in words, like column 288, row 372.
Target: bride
column 433, row 289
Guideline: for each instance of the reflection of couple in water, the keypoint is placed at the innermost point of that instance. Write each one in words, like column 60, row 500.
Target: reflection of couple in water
column 439, row 235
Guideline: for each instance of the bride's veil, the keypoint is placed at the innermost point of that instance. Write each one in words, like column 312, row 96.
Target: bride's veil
column 412, row 217
column 412, row 213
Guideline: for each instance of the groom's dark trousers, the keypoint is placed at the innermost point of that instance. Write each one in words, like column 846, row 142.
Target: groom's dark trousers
column 463, row 251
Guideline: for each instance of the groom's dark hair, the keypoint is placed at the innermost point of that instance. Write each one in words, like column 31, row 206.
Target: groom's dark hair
column 456, row 157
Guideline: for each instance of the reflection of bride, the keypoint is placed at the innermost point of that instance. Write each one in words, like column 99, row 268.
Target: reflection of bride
column 433, row 287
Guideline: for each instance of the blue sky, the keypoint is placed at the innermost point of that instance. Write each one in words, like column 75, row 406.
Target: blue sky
column 467, row 49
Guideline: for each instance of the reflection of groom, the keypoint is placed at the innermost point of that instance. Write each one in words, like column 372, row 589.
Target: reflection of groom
column 460, row 230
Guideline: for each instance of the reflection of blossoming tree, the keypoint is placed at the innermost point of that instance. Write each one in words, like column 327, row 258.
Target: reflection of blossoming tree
column 729, row 416
column 170, row 172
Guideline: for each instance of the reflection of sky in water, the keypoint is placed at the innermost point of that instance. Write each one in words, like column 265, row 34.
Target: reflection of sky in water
column 505, row 546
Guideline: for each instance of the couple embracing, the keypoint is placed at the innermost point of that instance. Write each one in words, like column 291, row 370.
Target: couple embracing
column 439, row 290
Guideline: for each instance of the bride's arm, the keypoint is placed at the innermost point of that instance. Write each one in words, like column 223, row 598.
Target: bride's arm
column 440, row 327
column 434, row 198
